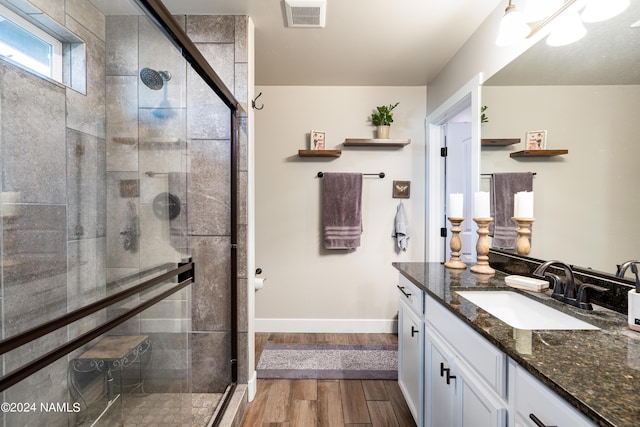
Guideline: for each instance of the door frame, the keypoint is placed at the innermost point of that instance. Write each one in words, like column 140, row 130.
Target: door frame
column 467, row 96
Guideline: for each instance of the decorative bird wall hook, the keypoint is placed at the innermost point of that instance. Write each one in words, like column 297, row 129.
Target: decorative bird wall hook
column 253, row 103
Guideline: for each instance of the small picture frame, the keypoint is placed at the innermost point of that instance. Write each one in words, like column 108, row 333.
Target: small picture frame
column 401, row 189
column 316, row 140
column 536, row 140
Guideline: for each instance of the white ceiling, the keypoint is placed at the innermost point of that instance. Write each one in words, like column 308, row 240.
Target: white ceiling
column 365, row 42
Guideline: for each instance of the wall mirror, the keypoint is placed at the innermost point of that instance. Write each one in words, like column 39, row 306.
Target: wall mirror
column 587, row 97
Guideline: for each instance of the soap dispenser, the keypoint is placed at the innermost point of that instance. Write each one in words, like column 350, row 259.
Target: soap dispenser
column 633, row 317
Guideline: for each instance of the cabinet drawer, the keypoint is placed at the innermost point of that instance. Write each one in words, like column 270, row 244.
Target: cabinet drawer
column 412, row 295
column 477, row 352
column 533, row 397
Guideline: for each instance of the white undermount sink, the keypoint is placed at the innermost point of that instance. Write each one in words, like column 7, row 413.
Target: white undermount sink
column 523, row 313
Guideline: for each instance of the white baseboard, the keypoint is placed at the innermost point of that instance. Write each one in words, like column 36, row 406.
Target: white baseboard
column 363, row 326
column 252, row 386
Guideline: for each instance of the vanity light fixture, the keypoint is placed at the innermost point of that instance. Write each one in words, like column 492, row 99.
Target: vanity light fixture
column 513, row 27
column 537, row 10
column 601, row 10
column 563, row 14
column 567, row 28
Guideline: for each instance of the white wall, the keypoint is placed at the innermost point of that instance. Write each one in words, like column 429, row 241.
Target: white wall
column 307, row 287
column 586, row 207
column 478, row 55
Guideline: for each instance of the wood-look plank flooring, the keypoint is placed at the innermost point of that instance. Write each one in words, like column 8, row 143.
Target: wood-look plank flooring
column 326, row 403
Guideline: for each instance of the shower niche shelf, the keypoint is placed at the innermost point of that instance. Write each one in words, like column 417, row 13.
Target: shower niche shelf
column 319, row 153
column 376, row 142
column 538, row 153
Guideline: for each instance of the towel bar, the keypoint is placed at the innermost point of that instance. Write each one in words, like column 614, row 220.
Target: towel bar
column 379, row 174
column 490, row 174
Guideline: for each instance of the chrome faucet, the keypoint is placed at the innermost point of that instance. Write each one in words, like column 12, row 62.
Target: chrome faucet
column 622, row 268
column 567, row 293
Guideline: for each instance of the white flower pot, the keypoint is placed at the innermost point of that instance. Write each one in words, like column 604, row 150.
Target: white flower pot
column 383, row 132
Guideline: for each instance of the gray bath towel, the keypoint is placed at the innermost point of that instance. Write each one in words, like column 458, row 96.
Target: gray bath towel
column 503, row 188
column 342, row 210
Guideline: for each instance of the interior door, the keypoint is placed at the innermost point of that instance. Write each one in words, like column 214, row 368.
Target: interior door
column 458, row 180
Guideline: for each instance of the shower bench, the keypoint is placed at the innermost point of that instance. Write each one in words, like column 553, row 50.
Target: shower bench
column 111, row 354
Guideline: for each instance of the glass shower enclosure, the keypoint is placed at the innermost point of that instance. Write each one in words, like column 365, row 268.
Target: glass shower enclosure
column 119, row 219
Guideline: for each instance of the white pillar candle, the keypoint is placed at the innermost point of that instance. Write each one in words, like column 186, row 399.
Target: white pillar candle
column 456, row 204
column 525, row 205
column 516, row 205
column 481, row 205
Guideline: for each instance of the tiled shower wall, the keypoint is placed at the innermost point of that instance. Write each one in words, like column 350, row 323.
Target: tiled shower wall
column 223, row 42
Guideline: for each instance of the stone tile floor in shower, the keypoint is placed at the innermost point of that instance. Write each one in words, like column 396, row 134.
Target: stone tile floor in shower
column 160, row 409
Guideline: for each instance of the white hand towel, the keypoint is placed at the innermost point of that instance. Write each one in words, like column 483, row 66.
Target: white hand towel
column 401, row 228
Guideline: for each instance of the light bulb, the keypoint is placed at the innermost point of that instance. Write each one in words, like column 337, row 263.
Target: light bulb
column 513, row 28
column 601, row 10
column 567, row 28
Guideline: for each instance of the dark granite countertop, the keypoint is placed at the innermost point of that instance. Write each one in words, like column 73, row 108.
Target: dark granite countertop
column 596, row 371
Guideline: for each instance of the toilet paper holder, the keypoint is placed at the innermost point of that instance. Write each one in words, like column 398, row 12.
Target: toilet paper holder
column 258, row 282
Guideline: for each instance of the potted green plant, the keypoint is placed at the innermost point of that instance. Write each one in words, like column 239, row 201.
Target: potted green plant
column 382, row 119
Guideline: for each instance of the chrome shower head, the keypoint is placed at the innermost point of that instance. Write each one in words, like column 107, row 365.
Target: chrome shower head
column 154, row 79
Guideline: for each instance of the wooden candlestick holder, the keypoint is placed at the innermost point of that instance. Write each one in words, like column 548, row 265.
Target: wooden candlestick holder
column 523, row 245
column 482, row 247
column 455, row 244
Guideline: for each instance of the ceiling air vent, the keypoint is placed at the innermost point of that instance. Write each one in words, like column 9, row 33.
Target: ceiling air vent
column 306, row 13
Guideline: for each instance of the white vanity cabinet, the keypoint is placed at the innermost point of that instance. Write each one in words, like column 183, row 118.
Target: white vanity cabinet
column 465, row 381
column 451, row 376
column 411, row 345
column 532, row 399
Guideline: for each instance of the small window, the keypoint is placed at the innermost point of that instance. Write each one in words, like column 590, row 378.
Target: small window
column 24, row 43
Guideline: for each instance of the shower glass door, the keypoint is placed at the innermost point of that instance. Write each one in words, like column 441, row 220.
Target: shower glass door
column 113, row 179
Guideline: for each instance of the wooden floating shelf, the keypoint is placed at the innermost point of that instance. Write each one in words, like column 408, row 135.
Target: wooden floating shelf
column 376, row 142
column 500, row 142
column 319, row 153
column 538, row 153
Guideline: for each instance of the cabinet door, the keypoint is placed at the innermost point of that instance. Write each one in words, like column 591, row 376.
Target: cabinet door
column 410, row 364
column 455, row 396
column 547, row 407
column 477, row 405
column 439, row 396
